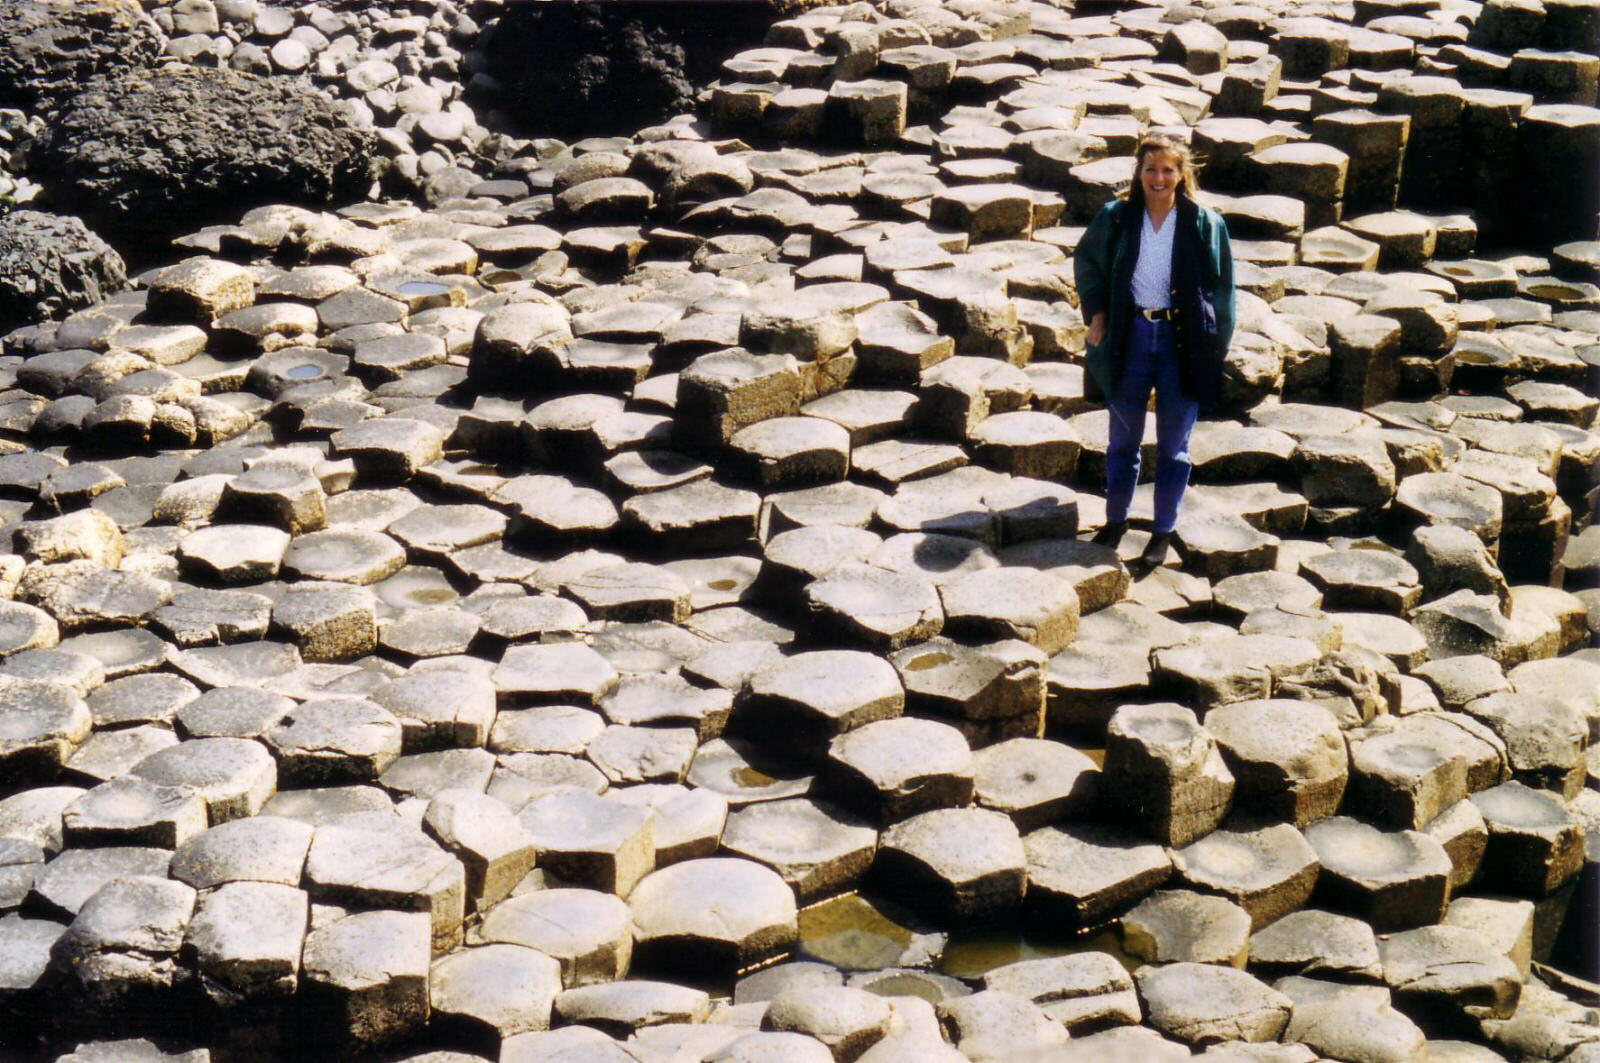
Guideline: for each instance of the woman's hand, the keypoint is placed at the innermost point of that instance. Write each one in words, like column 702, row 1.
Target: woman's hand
column 1097, row 329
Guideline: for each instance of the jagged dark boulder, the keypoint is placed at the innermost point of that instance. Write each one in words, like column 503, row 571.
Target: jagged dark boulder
column 49, row 48
column 153, row 154
column 51, row 265
column 573, row 68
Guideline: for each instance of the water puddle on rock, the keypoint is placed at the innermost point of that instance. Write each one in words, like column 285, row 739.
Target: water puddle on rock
column 421, row 288
column 860, row 933
column 970, row 954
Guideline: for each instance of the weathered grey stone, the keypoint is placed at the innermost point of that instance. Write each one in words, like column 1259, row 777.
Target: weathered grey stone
column 233, row 776
column 246, row 939
column 954, row 862
column 1534, row 846
column 487, row 994
column 1437, row 971
column 132, row 811
column 815, row 697
column 586, row 931
column 1312, row 942
column 1174, row 784
column 1391, row 880
column 1288, row 758
column 366, row 976
column 122, row 947
column 263, row 848
column 1203, row 1004
column 335, row 740
column 590, row 841
column 847, row 1021
column 1035, row 781
column 1268, row 871
column 817, row 850
column 712, row 915
column 1082, row 873
column 893, row 769
column 381, row 861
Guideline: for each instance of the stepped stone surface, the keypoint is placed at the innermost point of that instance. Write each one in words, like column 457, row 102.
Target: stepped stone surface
column 472, row 595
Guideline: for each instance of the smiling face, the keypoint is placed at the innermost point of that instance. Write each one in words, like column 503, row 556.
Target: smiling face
column 1159, row 177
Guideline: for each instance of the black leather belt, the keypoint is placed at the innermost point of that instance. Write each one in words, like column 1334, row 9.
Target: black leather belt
column 1165, row 313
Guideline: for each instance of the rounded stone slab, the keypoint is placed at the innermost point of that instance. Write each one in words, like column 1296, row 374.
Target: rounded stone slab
column 493, row 992
column 1534, row 843
column 233, row 712
column 344, row 555
column 24, row 627
column 1313, row 942
column 954, row 863
column 932, row 556
column 40, row 725
column 712, row 915
column 1035, row 781
column 812, row 697
column 380, row 861
column 1364, row 579
column 1448, row 498
column 643, row 754
column 233, row 775
column 1288, row 758
column 367, row 974
column 817, row 850
column 1268, row 871
column 739, row 771
column 1171, row 779
column 69, row 880
column 631, row 592
column 1082, row 991
column 263, row 848
column 787, row 452
column 586, row 931
column 558, row 672
column 1203, row 1004
column 1249, row 591
column 1181, row 926
column 893, row 769
column 874, row 607
column 335, row 740
column 848, row 1021
column 1037, row 607
column 247, row 938
column 149, row 698
column 1390, row 880
column 1083, row 873
column 588, row 840
column 133, row 811
column 233, row 553
column 440, row 709
column 793, row 558
column 434, row 530
column 1242, row 668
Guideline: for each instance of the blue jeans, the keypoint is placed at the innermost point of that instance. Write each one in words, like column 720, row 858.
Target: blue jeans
column 1151, row 361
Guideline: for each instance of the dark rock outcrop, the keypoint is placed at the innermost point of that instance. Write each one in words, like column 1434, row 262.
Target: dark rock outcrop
column 51, row 265
column 582, row 68
column 49, row 48
column 149, row 155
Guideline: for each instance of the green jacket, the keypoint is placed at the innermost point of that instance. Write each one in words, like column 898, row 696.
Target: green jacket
column 1202, row 292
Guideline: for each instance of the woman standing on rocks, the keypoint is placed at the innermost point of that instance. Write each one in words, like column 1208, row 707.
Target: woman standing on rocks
column 1155, row 283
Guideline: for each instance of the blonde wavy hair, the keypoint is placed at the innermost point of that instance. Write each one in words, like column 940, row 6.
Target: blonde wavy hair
column 1188, row 180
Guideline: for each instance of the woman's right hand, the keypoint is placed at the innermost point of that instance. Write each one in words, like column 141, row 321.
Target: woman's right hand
column 1097, row 329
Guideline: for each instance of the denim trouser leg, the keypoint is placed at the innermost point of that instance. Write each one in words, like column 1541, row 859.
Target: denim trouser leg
column 1151, row 362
